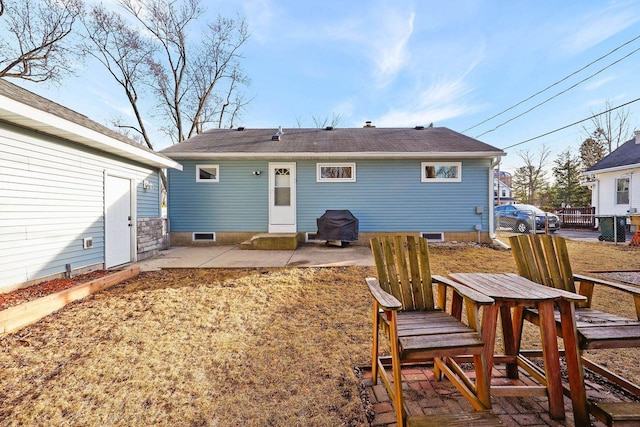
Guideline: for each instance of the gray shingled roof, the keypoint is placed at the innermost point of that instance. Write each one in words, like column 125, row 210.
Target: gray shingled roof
column 30, row 99
column 356, row 141
column 626, row 155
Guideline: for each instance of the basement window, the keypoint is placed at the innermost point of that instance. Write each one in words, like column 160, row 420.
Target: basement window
column 311, row 237
column 204, row 237
column 441, row 172
column 336, row 172
column 433, row 236
column 207, row 173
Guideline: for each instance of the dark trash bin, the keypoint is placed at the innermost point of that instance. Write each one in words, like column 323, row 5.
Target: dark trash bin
column 337, row 226
column 607, row 231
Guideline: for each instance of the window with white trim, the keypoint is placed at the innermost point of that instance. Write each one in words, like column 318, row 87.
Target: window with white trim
column 207, row 173
column 622, row 191
column 441, row 172
column 336, row 172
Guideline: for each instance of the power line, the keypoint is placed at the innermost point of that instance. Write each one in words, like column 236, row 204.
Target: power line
column 552, row 85
column 572, row 124
column 558, row 94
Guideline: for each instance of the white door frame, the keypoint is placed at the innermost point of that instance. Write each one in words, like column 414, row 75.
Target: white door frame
column 282, row 219
column 133, row 221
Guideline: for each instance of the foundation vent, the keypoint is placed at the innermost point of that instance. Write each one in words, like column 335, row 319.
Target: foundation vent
column 204, row 237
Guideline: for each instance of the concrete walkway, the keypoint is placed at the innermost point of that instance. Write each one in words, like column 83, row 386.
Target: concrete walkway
column 306, row 255
column 231, row 256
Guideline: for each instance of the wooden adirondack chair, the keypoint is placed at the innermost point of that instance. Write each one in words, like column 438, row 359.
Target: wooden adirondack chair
column 418, row 330
column 545, row 259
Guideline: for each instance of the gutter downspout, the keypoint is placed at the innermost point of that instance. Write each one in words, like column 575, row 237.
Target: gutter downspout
column 492, row 234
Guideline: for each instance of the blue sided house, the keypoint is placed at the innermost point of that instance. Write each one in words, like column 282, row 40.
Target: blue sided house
column 239, row 182
column 75, row 196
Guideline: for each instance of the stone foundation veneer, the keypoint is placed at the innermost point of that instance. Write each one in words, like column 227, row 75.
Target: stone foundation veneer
column 152, row 237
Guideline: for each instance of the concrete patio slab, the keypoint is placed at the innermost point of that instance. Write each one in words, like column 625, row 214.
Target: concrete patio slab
column 237, row 258
column 231, row 256
column 319, row 255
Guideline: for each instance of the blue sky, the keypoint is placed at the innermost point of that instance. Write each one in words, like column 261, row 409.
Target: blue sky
column 406, row 63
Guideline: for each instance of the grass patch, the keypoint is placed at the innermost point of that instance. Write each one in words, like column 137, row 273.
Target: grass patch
column 253, row 347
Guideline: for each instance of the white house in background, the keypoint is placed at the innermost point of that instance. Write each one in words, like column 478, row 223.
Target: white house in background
column 75, row 196
column 615, row 180
column 502, row 193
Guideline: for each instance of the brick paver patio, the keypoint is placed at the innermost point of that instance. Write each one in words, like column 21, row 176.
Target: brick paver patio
column 424, row 395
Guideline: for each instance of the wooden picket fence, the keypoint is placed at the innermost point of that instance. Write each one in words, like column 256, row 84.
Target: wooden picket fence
column 584, row 217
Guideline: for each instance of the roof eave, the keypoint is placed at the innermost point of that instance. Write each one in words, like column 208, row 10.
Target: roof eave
column 612, row 169
column 338, row 155
column 23, row 115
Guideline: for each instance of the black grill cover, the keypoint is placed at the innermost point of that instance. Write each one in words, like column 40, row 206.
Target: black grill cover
column 337, row 225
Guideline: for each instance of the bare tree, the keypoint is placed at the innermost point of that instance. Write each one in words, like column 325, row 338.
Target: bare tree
column 35, row 38
column 336, row 118
column 125, row 54
column 187, row 75
column 530, row 178
column 609, row 129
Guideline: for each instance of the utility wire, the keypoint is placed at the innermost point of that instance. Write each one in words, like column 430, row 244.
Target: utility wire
column 558, row 94
column 552, row 85
column 572, row 124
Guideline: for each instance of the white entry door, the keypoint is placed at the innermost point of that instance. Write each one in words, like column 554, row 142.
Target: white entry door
column 282, row 197
column 118, row 221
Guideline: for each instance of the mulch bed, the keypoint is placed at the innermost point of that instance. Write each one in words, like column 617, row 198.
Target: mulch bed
column 40, row 290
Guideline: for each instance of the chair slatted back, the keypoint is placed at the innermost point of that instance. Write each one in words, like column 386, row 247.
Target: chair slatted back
column 402, row 264
column 543, row 259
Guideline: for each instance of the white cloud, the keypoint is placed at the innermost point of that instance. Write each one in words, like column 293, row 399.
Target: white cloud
column 440, row 101
column 380, row 35
column 599, row 83
column 260, row 15
column 598, row 26
column 390, row 49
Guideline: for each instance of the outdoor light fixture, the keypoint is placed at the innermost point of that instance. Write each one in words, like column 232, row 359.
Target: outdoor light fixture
column 147, row 185
column 257, row 173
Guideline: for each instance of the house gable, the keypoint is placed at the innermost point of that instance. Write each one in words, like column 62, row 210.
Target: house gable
column 625, row 156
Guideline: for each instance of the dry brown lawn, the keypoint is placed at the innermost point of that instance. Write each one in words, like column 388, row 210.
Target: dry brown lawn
column 254, row 347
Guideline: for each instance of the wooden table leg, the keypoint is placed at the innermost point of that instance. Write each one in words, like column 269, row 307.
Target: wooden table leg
column 551, row 357
column 488, row 332
column 574, row 364
column 509, row 340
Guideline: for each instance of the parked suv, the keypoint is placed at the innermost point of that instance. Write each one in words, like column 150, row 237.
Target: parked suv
column 521, row 218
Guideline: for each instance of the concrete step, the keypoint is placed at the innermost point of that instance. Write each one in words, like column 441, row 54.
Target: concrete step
column 272, row 241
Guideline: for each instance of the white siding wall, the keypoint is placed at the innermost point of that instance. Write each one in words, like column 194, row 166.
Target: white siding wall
column 51, row 197
column 604, row 196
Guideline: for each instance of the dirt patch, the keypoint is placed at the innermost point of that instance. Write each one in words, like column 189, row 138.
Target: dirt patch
column 40, row 290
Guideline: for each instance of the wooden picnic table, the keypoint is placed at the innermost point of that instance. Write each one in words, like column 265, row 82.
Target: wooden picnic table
column 512, row 294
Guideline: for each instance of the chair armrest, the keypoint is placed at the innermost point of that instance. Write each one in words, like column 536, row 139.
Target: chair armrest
column 464, row 291
column 386, row 300
column 615, row 285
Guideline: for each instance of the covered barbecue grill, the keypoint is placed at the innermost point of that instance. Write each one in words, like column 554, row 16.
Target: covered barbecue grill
column 337, row 227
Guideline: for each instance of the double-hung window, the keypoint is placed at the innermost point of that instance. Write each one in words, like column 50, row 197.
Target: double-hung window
column 622, row 191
